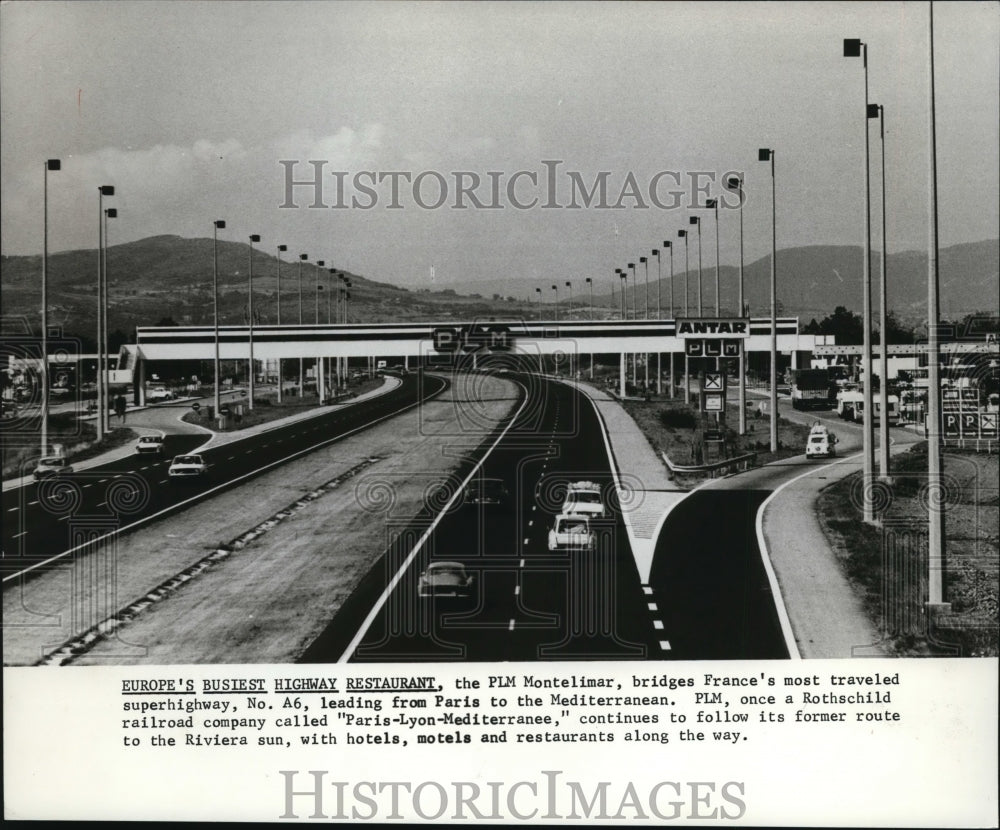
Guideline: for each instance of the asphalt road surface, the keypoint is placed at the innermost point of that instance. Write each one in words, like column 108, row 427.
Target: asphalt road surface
column 47, row 519
column 527, row 602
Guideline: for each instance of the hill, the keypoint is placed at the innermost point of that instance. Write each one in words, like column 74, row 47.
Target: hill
column 171, row 277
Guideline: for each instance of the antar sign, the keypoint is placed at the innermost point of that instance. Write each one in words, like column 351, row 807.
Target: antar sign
column 472, row 338
column 715, row 328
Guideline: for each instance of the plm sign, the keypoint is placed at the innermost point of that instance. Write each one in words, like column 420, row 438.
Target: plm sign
column 970, row 424
column 472, row 338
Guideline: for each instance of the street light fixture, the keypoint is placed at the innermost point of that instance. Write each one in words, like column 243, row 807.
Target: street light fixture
column 635, row 292
column 668, row 244
column 109, row 213
column 854, row 48
column 877, row 111
column 683, row 234
column 736, row 183
column 696, row 220
column 590, row 282
column 53, row 165
column 659, row 360
column 556, row 289
column 102, row 191
column 713, row 204
column 281, row 248
column 538, row 291
column 254, row 237
column 935, row 503
column 302, row 379
column 623, row 281
column 766, row 154
column 217, row 226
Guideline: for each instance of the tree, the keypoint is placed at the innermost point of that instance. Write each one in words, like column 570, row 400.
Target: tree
column 167, row 321
column 844, row 325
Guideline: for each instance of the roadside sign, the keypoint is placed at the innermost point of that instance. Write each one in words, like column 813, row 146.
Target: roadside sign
column 224, row 409
column 713, row 348
column 713, row 382
column 713, row 435
column 694, row 348
column 713, row 401
column 196, row 406
column 988, row 423
column 731, row 348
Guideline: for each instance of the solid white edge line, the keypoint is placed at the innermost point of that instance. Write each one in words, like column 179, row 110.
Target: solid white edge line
column 380, row 602
column 200, row 496
column 765, row 555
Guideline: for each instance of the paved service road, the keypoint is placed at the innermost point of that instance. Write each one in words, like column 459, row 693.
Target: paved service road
column 42, row 521
column 527, row 603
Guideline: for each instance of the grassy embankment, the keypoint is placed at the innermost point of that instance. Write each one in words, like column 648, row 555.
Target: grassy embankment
column 888, row 566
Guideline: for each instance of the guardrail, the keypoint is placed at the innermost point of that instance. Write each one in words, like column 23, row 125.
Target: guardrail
column 736, row 464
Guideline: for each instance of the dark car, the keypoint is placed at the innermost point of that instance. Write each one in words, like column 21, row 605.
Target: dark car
column 486, row 491
column 445, row 579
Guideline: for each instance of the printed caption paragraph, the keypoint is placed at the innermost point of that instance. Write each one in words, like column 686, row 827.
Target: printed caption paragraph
column 524, row 708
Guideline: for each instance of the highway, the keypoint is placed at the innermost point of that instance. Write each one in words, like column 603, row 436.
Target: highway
column 44, row 522
column 528, row 603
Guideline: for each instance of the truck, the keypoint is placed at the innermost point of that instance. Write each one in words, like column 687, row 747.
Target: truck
column 810, row 388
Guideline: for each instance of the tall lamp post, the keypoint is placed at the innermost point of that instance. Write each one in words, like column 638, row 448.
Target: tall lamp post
column 281, row 393
column 683, row 234
column 877, row 111
column 854, row 48
column 556, row 289
column 318, row 365
column 736, row 183
column 590, row 284
column 53, row 165
column 623, row 282
column 217, row 226
column 935, row 503
column 109, row 213
column 302, row 364
column 254, row 237
column 635, row 316
column 696, row 220
column 766, row 154
column 713, row 204
column 659, row 365
column 538, row 299
column 102, row 191
column 668, row 245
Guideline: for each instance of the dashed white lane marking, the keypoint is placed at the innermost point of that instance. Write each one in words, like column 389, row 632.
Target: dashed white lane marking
column 665, row 645
column 530, row 521
column 163, row 481
column 652, row 606
column 31, row 503
column 18, row 535
column 522, row 564
column 525, row 540
column 101, row 504
column 510, row 627
column 658, row 624
column 646, row 589
column 517, row 590
column 13, row 509
column 62, row 518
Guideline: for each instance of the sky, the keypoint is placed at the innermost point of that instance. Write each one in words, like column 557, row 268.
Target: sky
column 190, row 108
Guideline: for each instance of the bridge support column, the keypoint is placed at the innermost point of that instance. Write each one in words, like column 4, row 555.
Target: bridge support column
column 621, row 374
column 141, row 369
column 281, row 383
column 321, row 378
column 687, row 378
column 659, row 373
column 302, row 377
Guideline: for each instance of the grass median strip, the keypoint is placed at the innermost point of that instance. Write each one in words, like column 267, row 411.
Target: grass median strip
column 81, row 643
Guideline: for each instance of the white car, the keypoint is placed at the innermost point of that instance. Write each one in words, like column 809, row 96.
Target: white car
column 821, row 443
column 187, row 466
column 571, row 531
column 52, row 465
column 584, row 498
column 149, row 444
column 158, row 393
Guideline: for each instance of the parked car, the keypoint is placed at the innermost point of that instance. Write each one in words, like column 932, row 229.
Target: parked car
column 584, row 498
column 187, row 466
column 149, row 444
column 53, row 465
column 486, row 491
column 445, row 579
column 571, row 531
